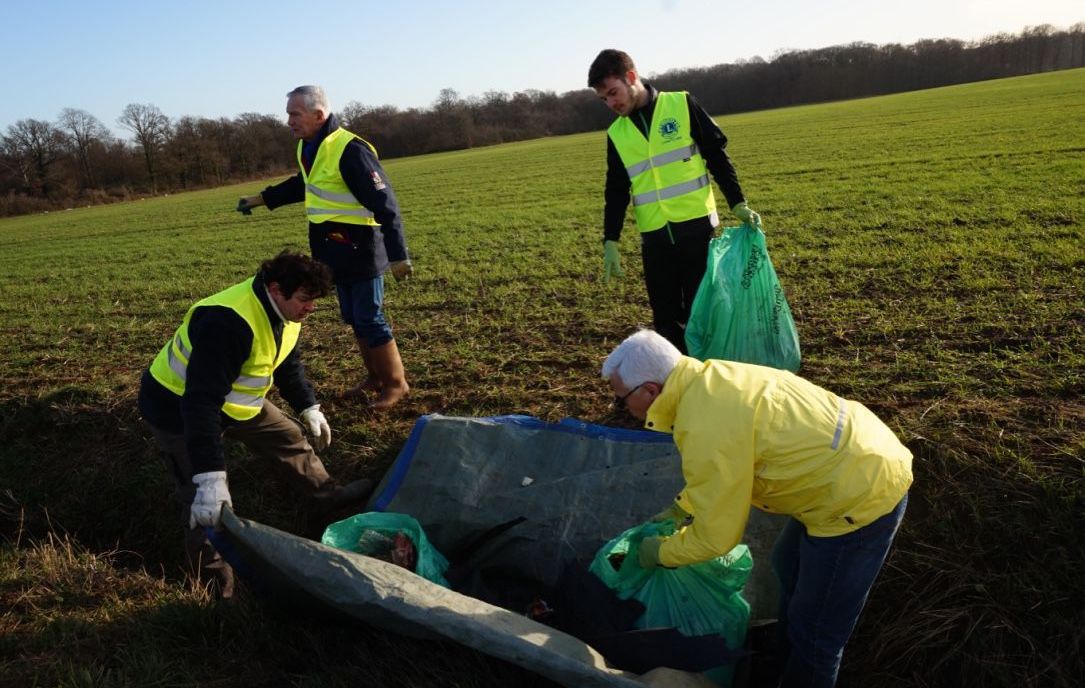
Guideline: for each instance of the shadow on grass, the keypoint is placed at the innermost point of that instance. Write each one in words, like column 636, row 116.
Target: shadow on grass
column 79, row 461
column 974, row 592
column 982, row 587
column 77, row 619
column 82, row 462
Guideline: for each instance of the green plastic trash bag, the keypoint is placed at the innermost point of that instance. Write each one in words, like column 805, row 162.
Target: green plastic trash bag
column 740, row 312
column 374, row 534
column 698, row 599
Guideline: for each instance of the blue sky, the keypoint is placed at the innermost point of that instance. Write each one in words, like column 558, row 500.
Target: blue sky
column 220, row 59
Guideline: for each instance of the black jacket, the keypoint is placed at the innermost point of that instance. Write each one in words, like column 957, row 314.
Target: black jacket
column 221, row 343
column 353, row 252
column 709, row 139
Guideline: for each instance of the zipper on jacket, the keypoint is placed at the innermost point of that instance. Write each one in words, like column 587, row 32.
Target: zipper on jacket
column 647, row 127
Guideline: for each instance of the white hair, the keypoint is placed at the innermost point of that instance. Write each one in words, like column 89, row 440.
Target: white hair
column 312, row 96
column 644, row 356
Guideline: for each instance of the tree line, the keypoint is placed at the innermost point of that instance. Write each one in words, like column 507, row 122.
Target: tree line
column 75, row 160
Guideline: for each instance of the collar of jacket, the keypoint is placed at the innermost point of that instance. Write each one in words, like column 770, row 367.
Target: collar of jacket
column 653, row 94
column 309, row 148
column 661, row 413
column 259, row 287
column 330, row 125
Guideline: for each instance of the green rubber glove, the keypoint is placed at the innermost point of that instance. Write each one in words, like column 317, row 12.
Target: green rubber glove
column 748, row 216
column 648, row 552
column 672, row 513
column 612, row 260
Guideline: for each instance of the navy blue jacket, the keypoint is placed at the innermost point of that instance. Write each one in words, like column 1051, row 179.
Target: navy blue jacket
column 353, row 252
column 709, row 139
column 221, row 343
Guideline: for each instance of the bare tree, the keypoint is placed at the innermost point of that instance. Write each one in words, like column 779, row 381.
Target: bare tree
column 36, row 145
column 266, row 142
column 151, row 130
column 38, row 159
column 181, row 153
column 452, row 126
column 378, row 125
column 84, row 130
column 351, row 116
column 14, row 167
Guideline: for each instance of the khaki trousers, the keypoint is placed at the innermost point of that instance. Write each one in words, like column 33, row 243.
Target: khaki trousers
column 273, row 438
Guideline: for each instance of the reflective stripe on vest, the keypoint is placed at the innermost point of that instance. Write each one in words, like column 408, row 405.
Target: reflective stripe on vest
column 662, row 159
column 329, row 211
column 327, row 196
column 671, row 191
column 179, row 364
column 247, row 391
column 667, row 175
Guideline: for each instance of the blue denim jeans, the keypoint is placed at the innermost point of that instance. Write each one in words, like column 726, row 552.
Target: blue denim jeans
column 360, row 305
column 824, row 583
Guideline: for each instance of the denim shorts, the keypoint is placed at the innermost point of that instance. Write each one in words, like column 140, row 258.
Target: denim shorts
column 360, row 305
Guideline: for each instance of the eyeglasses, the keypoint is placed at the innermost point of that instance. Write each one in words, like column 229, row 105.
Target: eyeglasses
column 619, row 402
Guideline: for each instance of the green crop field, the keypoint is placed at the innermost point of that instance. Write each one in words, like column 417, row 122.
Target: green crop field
column 932, row 248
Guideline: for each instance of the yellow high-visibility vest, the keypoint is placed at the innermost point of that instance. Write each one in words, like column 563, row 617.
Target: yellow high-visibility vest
column 667, row 174
column 327, row 196
column 246, row 396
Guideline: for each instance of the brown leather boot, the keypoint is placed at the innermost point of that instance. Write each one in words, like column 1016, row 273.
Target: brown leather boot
column 389, row 369
column 371, row 382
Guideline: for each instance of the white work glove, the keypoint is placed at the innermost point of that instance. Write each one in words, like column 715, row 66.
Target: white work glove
column 318, row 427
column 401, row 269
column 211, row 494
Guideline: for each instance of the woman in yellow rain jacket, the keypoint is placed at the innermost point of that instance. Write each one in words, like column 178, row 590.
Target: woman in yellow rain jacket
column 755, row 435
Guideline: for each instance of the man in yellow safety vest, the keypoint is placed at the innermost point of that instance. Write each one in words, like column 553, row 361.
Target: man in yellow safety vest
column 211, row 380
column 355, row 227
column 660, row 152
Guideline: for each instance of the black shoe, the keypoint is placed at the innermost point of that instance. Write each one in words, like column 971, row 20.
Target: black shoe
column 335, row 502
column 766, row 663
column 351, row 495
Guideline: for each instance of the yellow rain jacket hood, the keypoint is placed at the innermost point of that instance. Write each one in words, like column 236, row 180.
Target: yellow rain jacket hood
column 755, row 435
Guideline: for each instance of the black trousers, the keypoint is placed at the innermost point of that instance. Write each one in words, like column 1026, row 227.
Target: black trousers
column 674, row 264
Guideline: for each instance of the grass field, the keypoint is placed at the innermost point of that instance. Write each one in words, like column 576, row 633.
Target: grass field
column 932, row 248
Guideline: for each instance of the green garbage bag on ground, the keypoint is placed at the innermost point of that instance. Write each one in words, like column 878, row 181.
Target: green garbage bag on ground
column 380, row 534
column 739, row 312
column 698, row 599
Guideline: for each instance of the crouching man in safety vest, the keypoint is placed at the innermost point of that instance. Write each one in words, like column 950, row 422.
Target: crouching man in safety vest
column 355, row 227
column 660, row 152
column 211, row 380
column 752, row 435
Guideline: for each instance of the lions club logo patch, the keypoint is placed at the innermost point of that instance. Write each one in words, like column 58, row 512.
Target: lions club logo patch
column 668, row 129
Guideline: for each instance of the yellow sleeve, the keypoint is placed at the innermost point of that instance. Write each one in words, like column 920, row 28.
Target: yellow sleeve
column 717, row 463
